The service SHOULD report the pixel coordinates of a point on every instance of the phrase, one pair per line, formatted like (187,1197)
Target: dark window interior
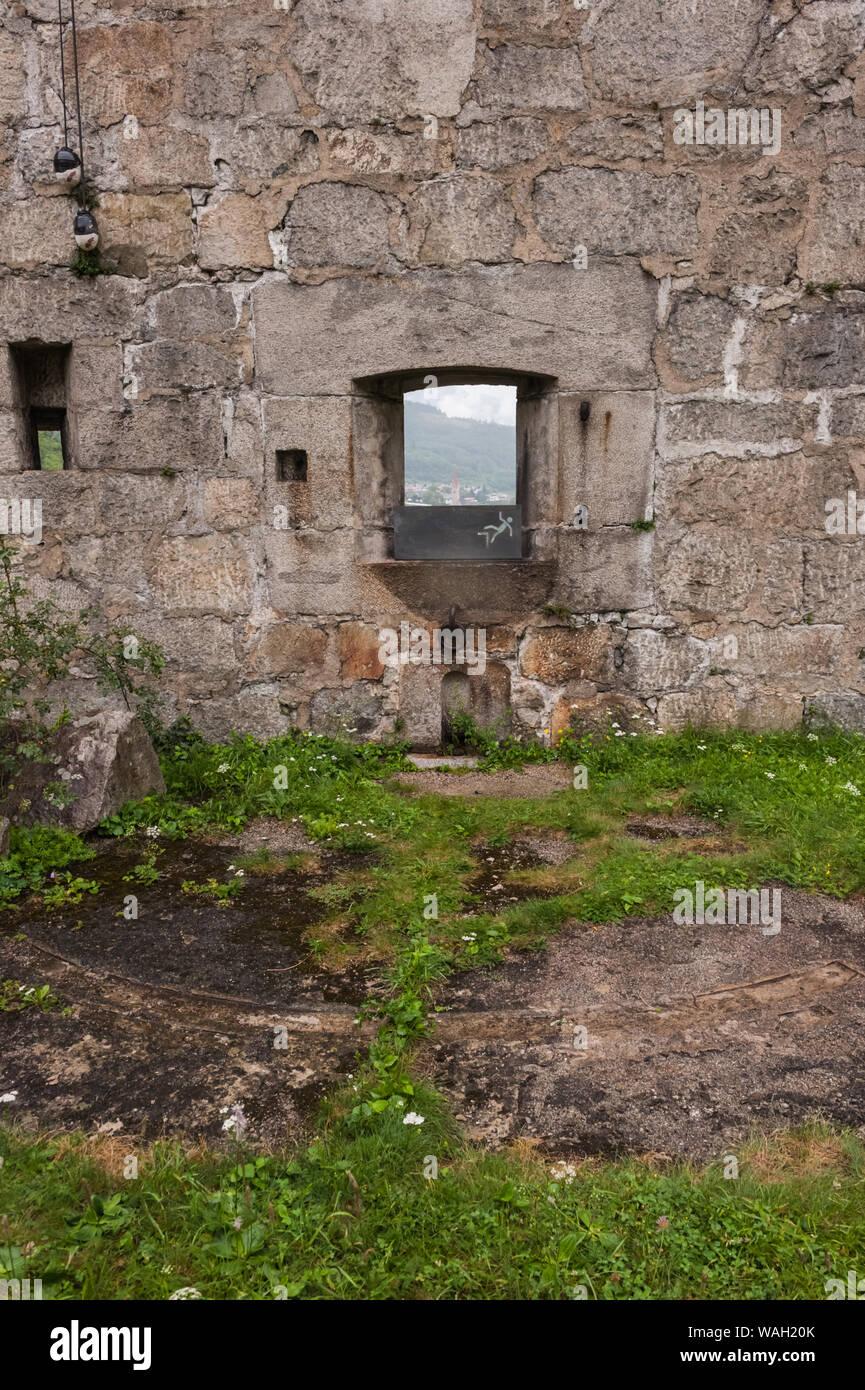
(291,465)
(41,371)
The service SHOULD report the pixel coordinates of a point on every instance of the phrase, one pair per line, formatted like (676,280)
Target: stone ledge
(498,588)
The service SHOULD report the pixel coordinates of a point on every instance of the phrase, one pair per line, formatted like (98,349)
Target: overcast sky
(495,403)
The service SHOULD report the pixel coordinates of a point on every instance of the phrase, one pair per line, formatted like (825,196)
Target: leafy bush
(36,854)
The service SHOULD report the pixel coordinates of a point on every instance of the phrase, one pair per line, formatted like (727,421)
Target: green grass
(354,1217)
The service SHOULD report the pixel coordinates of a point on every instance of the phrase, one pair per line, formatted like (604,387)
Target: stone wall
(303,202)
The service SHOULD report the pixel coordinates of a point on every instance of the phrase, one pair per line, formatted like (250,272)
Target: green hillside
(50,449)
(483,454)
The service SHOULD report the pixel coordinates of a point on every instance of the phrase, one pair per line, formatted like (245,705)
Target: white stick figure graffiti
(491,532)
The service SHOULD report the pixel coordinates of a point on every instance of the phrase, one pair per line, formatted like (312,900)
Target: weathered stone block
(202,574)
(171,365)
(34,162)
(832,130)
(759,248)
(272,95)
(231,504)
(68,500)
(191,311)
(323,503)
(515,140)
(519,14)
(707,569)
(670,53)
(707,427)
(140,230)
(202,644)
(10,386)
(835,249)
(158,434)
(161,157)
(37,232)
(617,137)
(823,346)
(835,579)
(372,57)
(14,444)
(613,212)
(610,571)
(320,425)
(373,151)
(110,571)
(842,708)
(420,706)
(126,503)
(607,459)
(63,308)
(12,74)
(243,435)
(556,655)
(781,655)
(811,49)
(94,376)
(358,646)
(310,574)
(701,709)
(757,495)
(233,231)
(591,329)
(337,224)
(769,709)
(286,649)
(655,661)
(214,84)
(696,335)
(460,218)
(255,710)
(126,69)
(354,712)
(594,714)
(848,416)
(250,157)
(518,77)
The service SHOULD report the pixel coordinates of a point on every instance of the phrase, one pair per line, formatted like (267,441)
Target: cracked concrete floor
(175,1016)
(695,1036)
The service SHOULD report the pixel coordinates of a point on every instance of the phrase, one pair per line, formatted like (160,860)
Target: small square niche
(291,465)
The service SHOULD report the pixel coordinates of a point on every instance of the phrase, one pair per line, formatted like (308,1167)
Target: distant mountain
(483,454)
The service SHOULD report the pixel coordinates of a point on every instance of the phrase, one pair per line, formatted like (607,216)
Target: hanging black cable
(77,94)
(62,74)
(67,165)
